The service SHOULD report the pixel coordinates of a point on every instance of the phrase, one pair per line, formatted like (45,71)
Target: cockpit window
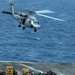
(36,22)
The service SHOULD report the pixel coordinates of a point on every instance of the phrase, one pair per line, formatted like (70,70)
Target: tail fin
(12,8)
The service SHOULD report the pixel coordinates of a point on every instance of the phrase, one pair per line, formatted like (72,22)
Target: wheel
(19,25)
(35,30)
(23,28)
(31,26)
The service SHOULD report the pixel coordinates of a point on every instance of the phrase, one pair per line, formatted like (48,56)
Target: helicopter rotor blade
(37,12)
(50,17)
(43,11)
(26,11)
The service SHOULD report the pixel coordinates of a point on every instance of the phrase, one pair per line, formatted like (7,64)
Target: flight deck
(57,68)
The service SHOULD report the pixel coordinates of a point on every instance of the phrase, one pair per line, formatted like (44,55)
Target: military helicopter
(27,18)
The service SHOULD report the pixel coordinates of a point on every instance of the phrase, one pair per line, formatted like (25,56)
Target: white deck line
(36,69)
(32,68)
(16,61)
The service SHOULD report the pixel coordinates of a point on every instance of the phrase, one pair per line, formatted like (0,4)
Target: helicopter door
(32,22)
(23,20)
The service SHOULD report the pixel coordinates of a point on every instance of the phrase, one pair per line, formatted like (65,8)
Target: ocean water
(54,42)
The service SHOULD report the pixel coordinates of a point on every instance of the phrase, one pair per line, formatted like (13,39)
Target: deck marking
(16,61)
(32,68)
(36,70)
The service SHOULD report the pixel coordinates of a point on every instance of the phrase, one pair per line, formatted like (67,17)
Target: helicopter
(27,18)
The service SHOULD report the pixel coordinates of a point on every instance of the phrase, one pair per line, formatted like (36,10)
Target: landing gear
(19,25)
(35,30)
(23,28)
(31,26)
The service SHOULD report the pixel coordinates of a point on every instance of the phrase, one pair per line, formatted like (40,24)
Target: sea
(54,42)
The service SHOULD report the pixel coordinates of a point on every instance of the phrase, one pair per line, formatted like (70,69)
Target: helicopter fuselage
(28,21)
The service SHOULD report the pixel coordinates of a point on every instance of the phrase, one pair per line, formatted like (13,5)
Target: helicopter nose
(38,28)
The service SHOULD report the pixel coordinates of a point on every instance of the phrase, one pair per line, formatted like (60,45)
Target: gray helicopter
(27,19)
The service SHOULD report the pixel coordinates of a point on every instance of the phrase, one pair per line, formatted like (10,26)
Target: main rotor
(40,13)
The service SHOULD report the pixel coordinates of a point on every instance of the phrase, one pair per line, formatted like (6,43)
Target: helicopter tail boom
(5,12)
